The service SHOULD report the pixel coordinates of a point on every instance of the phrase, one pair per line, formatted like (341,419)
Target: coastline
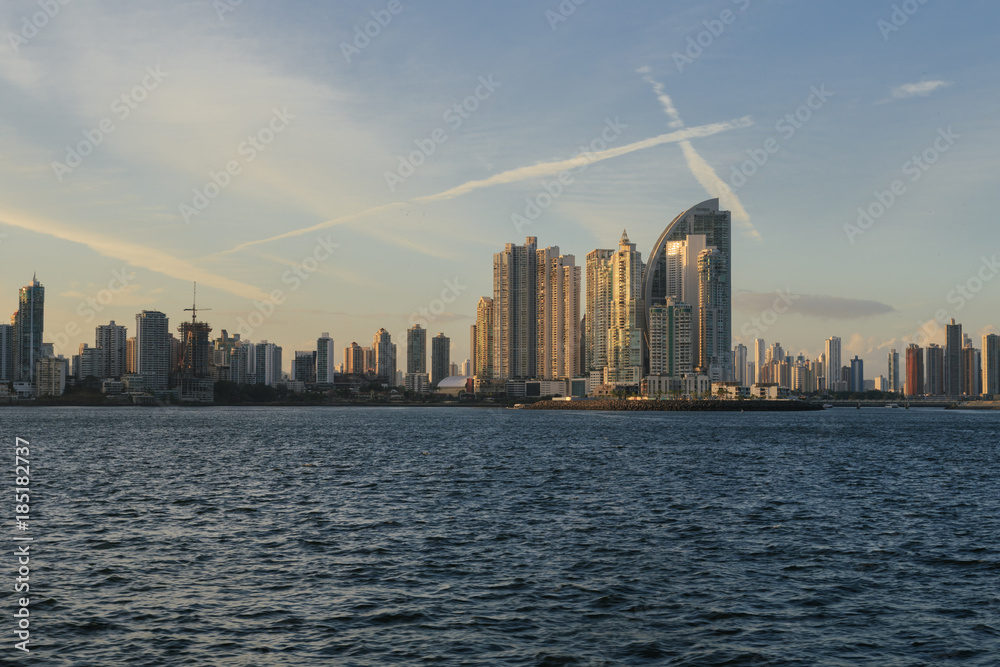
(714,405)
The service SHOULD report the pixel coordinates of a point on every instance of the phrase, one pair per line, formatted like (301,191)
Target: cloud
(132,254)
(516,175)
(702,171)
(921,89)
(819,306)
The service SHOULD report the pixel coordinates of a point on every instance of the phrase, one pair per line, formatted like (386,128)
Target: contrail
(132,254)
(701,170)
(681,136)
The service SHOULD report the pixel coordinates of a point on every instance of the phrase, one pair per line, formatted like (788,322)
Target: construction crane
(194,305)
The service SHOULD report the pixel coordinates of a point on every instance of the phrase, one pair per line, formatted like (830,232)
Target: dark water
(493,537)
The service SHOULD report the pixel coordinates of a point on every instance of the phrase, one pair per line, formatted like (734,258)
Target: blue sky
(201,77)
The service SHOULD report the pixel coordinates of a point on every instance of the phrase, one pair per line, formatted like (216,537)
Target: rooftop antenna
(194,305)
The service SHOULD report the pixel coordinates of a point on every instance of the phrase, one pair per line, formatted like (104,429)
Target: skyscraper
(714,327)
(832,371)
(740,365)
(440,358)
(354,360)
(484,338)
(473,341)
(416,349)
(991,365)
(857,375)
(627,317)
(515,292)
(598,310)
(759,352)
(953,371)
(113,340)
(152,349)
(670,351)
(674,271)
(304,366)
(6,352)
(972,366)
(385,357)
(558,315)
(29,321)
(325,359)
(893,372)
(935,385)
(267,363)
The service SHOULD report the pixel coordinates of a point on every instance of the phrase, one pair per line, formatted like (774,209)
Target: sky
(345,166)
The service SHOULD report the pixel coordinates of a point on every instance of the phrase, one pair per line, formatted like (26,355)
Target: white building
(558,315)
(325,367)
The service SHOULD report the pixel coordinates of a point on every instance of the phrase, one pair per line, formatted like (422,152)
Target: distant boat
(827,406)
(891,405)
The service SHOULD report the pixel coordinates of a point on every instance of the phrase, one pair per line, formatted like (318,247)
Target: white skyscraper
(325,367)
(892,381)
(740,365)
(152,349)
(598,308)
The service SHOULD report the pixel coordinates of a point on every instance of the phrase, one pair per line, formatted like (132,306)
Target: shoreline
(714,405)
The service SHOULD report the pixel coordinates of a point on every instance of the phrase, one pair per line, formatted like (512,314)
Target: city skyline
(111,237)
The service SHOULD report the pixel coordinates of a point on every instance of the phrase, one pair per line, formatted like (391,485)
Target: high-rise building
(935,383)
(416,349)
(304,366)
(50,376)
(354,360)
(515,293)
(325,361)
(267,364)
(152,349)
(914,370)
(29,323)
(558,315)
(597,320)
(832,374)
(972,366)
(440,358)
(112,339)
(857,375)
(89,362)
(627,317)
(484,338)
(759,352)
(674,270)
(953,371)
(670,350)
(6,352)
(131,357)
(385,357)
(893,379)
(991,365)
(740,365)
(196,349)
(467,368)
(471,371)
(714,325)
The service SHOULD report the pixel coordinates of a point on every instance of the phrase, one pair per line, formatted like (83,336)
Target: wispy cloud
(701,170)
(520,174)
(920,89)
(131,253)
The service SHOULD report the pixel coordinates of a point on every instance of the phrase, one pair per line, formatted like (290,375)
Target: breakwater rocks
(678,406)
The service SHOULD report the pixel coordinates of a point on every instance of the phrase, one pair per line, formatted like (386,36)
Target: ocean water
(343,536)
